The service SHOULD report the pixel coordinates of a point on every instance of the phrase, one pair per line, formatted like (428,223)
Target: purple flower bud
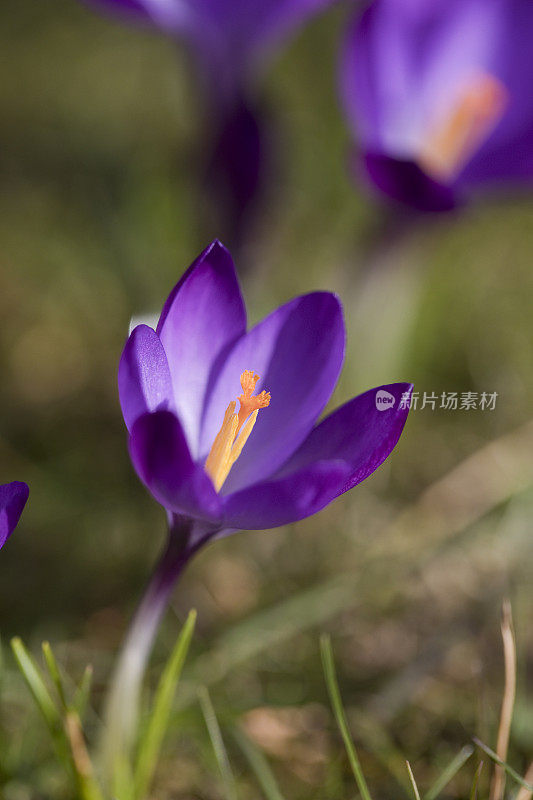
(13,497)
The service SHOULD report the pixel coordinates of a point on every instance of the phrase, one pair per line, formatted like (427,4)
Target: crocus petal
(171,16)
(339,453)
(144,382)
(238,169)
(405,182)
(228,33)
(162,460)
(512,160)
(298,351)
(256,26)
(202,317)
(13,497)
(279,502)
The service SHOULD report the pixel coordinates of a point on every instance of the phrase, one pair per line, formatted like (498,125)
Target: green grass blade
(279,623)
(35,682)
(473,791)
(230,789)
(54,672)
(376,740)
(450,772)
(150,743)
(335,697)
(259,766)
(123,780)
(33,677)
(83,692)
(509,770)
(413,782)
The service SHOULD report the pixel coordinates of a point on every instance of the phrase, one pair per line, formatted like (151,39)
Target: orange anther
(248,401)
(478,107)
(228,444)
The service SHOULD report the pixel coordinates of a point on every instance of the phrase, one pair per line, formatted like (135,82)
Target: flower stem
(122,705)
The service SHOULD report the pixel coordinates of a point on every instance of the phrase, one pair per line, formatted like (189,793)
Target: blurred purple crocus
(229,41)
(13,497)
(223,426)
(439,96)
(229,38)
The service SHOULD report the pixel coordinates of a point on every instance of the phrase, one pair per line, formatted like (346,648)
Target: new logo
(384,400)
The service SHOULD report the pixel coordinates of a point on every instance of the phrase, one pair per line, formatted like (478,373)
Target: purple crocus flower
(438,94)
(229,41)
(13,497)
(221,448)
(229,37)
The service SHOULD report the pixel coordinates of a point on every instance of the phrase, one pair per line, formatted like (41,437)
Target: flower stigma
(235,430)
(455,138)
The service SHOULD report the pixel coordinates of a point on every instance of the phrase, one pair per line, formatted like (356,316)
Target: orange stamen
(476,112)
(229,443)
(248,401)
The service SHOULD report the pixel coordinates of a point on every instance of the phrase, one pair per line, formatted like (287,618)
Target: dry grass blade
(497,786)
(87,785)
(413,782)
(526,794)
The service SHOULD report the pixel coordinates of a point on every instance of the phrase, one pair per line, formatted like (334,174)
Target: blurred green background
(101,210)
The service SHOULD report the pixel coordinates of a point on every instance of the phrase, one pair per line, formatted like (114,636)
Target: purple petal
(238,168)
(512,160)
(144,382)
(162,460)
(338,454)
(298,351)
(171,16)
(405,182)
(13,497)
(507,155)
(279,502)
(229,36)
(202,317)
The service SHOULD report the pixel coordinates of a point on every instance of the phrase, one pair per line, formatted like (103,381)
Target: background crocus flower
(228,37)
(223,449)
(229,40)
(13,497)
(438,94)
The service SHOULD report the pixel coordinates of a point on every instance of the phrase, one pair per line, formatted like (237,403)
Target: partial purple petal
(256,26)
(162,460)
(405,182)
(298,351)
(201,319)
(144,382)
(238,169)
(13,497)
(279,502)
(171,16)
(229,36)
(362,432)
(339,453)
(510,161)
